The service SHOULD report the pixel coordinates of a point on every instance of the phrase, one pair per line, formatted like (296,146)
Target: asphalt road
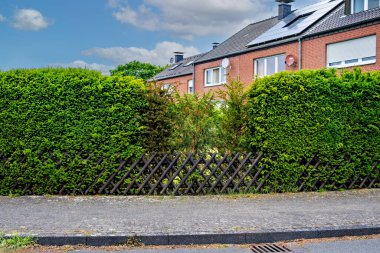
(340,246)
(357,246)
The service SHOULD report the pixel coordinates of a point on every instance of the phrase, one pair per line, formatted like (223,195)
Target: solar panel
(296,22)
(174,67)
(189,63)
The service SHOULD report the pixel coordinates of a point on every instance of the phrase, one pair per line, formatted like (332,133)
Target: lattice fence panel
(193,174)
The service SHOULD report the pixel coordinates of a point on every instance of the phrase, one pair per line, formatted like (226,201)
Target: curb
(242,238)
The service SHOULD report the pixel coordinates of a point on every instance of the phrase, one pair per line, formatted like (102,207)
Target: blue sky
(101,34)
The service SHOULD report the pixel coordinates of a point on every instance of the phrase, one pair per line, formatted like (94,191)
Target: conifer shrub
(76,118)
(334,117)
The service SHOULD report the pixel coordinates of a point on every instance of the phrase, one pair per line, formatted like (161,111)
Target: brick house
(332,34)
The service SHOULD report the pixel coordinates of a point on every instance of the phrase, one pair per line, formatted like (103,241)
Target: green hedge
(66,111)
(334,116)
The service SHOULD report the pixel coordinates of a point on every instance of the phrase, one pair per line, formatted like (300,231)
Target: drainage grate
(269,248)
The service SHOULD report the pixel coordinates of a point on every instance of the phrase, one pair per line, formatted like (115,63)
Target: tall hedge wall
(66,111)
(333,116)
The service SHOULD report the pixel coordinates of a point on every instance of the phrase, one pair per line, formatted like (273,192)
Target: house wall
(181,83)
(242,66)
(314,54)
(314,51)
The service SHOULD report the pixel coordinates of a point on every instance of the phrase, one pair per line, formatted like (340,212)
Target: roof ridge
(196,55)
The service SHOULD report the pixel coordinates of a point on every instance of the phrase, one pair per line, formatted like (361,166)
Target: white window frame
(359,62)
(222,79)
(190,86)
(343,64)
(168,87)
(365,6)
(266,65)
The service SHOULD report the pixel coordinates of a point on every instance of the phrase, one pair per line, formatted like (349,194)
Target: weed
(15,241)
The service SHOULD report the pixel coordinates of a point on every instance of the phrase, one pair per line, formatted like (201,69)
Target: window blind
(351,49)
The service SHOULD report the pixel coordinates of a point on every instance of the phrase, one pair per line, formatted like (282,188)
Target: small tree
(138,69)
(234,123)
(196,123)
(157,119)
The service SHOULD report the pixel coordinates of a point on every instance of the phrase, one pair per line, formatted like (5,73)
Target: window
(350,53)
(269,65)
(215,76)
(363,5)
(168,87)
(190,86)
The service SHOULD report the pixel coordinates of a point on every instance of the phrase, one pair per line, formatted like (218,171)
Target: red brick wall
(179,82)
(313,54)
(242,65)
(315,50)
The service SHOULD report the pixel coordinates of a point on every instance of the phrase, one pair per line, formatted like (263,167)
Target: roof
(332,20)
(337,20)
(181,68)
(238,42)
(297,22)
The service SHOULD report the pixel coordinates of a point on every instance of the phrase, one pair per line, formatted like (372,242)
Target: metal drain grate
(269,248)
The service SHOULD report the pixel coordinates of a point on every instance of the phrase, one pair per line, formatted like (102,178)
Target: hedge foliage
(334,116)
(66,111)
(65,130)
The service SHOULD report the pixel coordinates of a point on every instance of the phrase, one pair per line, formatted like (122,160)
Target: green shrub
(300,114)
(234,119)
(66,111)
(157,119)
(196,123)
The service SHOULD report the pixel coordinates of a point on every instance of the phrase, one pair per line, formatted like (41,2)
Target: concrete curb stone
(238,238)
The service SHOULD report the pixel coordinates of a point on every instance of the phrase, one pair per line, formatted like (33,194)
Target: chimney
(178,56)
(215,45)
(347,7)
(284,8)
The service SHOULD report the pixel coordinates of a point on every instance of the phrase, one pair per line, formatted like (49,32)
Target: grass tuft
(16,241)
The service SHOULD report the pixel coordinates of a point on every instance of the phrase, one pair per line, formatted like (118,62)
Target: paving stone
(168,217)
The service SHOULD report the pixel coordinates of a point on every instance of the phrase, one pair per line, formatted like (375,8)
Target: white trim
(265,66)
(211,70)
(366,6)
(265,59)
(190,84)
(360,62)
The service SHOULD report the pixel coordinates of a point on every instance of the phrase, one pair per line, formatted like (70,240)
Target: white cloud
(2,18)
(192,18)
(84,65)
(160,55)
(30,19)
(187,19)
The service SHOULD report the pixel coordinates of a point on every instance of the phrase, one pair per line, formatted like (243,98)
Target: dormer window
(363,5)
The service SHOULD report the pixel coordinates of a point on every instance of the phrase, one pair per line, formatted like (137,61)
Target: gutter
(193,79)
(169,77)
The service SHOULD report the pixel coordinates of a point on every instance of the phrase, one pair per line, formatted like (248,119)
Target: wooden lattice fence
(190,174)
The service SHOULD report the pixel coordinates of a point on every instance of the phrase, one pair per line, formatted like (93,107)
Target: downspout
(193,79)
(300,53)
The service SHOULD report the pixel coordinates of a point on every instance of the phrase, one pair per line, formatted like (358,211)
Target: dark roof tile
(338,20)
(238,42)
(185,67)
